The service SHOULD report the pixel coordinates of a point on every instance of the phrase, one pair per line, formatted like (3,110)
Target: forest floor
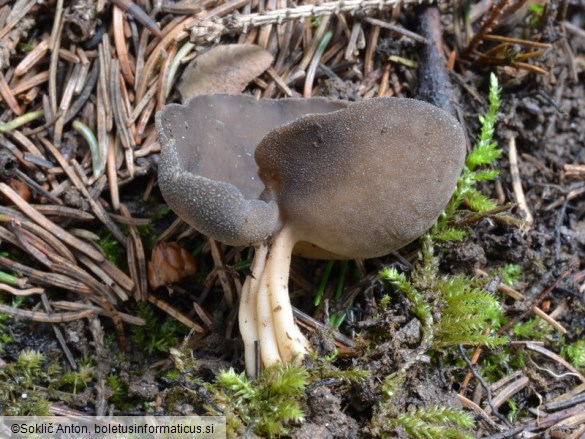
(82,218)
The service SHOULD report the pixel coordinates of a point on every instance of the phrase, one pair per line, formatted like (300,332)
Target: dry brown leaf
(169,263)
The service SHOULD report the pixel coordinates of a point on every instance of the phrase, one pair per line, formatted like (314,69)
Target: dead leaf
(169,263)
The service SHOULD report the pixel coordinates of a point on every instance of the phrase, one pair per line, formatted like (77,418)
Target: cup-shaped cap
(207,172)
(366,180)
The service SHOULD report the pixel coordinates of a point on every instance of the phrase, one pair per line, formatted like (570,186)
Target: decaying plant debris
(80,82)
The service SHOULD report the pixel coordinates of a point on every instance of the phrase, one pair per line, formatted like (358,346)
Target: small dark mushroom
(355,182)
(226,68)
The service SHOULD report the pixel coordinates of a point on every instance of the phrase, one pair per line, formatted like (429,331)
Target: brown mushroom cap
(363,181)
(207,172)
(224,69)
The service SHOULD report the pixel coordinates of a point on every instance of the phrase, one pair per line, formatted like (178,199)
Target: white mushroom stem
(265,310)
(248,309)
(292,345)
(269,352)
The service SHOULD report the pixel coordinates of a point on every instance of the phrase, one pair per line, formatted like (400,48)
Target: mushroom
(226,68)
(345,181)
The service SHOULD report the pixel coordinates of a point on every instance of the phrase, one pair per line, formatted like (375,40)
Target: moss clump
(466,311)
(15,302)
(22,386)
(156,336)
(28,384)
(478,167)
(77,380)
(465,308)
(434,423)
(532,329)
(575,353)
(269,405)
(511,274)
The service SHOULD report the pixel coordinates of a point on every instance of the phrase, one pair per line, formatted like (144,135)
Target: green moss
(22,386)
(156,336)
(496,365)
(435,423)
(533,329)
(465,308)
(5,337)
(536,13)
(113,250)
(28,384)
(119,389)
(575,353)
(452,310)
(478,167)
(513,410)
(511,274)
(466,311)
(270,404)
(77,380)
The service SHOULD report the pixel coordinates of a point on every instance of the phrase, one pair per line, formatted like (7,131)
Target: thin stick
(18,292)
(518,41)
(43,317)
(484,416)
(59,334)
(143,103)
(202,31)
(55,45)
(485,27)
(219,268)
(81,100)
(29,83)
(136,258)
(140,16)
(143,122)
(17,14)
(49,279)
(102,130)
(49,225)
(163,77)
(101,274)
(372,43)
(312,70)
(112,172)
(133,320)
(33,57)
(8,97)
(147,71)
(176,314)
(507,392)
(97,208)
(120,43)
(558,359)
(548,319)
(502,287)
(43,234)
(517,183)
(398,29)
